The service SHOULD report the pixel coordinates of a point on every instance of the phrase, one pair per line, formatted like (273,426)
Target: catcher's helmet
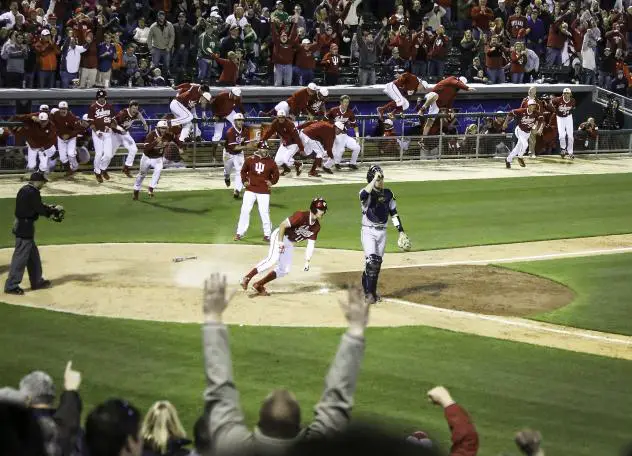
(372,171)
(101,93)
(318,203)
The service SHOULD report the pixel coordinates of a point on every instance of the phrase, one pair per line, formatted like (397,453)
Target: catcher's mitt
(58,213)
(403,242)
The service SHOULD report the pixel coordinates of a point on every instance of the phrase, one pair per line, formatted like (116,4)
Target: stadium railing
(405,145)
(603,97)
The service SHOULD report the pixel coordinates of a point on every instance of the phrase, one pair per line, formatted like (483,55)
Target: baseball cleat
(151,192)
(299,167)
(70,173)
(353,166)
(338,167)
(571,156)
(286,170)
(105,175)
(369,299)
(563,153)
(328,170)
(266,238)
(99,178)
(260,289)
(245,280)
(313,174)
(15,291)
(227,181)
(42,285)
(521,162)
(135,197)
(237,237)
(126,171)
(236,195)
(507,164)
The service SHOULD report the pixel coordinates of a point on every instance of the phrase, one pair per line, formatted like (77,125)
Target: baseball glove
(58,213)
(403,242)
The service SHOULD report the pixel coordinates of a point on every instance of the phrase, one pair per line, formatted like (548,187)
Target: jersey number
(259,167)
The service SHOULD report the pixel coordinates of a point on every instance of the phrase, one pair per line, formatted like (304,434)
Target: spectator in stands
(70,61)
(89,63)
(107,54)
(230,68)
(415,16)
(208,44)
(141,34)
(130,64)
(232,42)
(435,17)
(536,32)
(469,49)
(556,40)
(606,68)
(532,67)
(592,36)
(157,79)
(368,47)
(475,72)
(619,85)
(21,431)
(481,15)
(10,18)
(438,53)
(516,25)
(113,428)
(15,52)
(160,42)
(420,45)
(396,65)
(331,61)
(47,53)
(237,19)
(182,44)
(502,11)
(282,55)
(279,424)
(518,63)
(305,62)
(162,432)
(495,61)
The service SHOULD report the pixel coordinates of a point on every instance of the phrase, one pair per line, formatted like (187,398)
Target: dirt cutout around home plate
(482,289)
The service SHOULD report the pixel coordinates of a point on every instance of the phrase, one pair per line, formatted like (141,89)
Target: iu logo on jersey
(335,60)
(259,167)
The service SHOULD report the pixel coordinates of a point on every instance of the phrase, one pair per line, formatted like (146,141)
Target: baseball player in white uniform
(101,118)
(377,204)
(564,107)
(122,137)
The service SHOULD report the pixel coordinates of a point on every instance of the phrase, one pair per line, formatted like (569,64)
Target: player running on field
(67,125)
(404,86)
(290,142)
(377,204)
(343,113)
(529,119)
(442,95)
(564,107)
(237,141)
(183,106)
(318,138)
(301,226)
(101,118)
(121,137)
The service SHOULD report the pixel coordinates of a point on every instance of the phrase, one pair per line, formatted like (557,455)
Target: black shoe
(15,291)
(227,181)
(42,285)
(507,164)
(338,167)
(521,162)
(353,167)
(236,195)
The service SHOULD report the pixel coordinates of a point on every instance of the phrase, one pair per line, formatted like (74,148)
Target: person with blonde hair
(162,431)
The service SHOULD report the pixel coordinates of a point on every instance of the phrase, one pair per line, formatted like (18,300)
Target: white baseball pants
(284,106)
(236,162)
(184,117)
(103,151)
(311,145)
(67,149)
(342,142)
(263,203)
(145,164)
(219,126)
(394,94)
(433,108)
(373,241)
(283,261)
(44,158)
(564,129)
(285,154)
(128,143)
(521,146)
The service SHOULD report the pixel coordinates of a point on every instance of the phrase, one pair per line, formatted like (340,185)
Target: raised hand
(215,300)
(355,309)
(72,378)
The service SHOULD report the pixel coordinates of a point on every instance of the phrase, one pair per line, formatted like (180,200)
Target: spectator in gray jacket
(160,42)
(15,52)
(279,425)
(368,48)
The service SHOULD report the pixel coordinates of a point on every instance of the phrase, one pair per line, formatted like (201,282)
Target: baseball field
(516,296)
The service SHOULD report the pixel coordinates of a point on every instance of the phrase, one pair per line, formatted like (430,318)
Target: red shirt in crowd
(282,53)
(515,24)
(439,48)
(305,57)
(230,70)
(331,62)
(256,171)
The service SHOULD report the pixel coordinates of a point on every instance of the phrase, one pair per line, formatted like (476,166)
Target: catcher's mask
(373,170)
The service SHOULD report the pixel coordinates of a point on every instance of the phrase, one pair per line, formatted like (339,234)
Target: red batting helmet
(318,203)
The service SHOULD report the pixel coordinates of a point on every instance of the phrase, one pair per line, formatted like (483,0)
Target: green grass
(603,289)
(436,214)
(570,397)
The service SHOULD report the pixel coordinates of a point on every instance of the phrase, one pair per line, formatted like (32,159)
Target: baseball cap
(566,90)
(44,107)
(388,123)
(62,105)
(463,79)
(312,86)
(207,95)
(162,124)
(531,102)
(45,32)
(38,386)
(236,91)
(238,116)
(305,41)
(281,113)
(324,91)
(43,116)
(339,125)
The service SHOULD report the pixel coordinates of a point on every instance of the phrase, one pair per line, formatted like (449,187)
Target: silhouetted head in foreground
(280,415)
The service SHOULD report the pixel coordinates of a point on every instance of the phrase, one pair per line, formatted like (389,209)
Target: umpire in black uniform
(28,208)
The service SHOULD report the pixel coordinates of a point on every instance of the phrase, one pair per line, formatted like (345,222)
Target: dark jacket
(175,447)
(62,426)
(28,208)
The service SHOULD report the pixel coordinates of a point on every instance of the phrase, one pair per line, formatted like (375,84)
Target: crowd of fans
(32,425)
(83,43)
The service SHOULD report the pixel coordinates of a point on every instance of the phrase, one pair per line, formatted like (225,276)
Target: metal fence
(406,145)
(603,96)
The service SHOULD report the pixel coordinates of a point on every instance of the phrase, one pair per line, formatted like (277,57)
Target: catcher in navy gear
(377,204)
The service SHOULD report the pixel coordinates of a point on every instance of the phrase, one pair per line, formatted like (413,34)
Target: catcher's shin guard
(371,274)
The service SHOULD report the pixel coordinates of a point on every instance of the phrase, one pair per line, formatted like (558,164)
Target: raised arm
(227,428)
(333,411)
(463,432)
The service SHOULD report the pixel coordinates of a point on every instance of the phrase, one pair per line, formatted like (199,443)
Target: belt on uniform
(378,227)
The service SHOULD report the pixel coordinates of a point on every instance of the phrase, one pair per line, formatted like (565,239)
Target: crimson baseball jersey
(286,131)
(407,84)
(302,227)
(100,116)
(332,63)
(223,104)
(301,100)
(124,119)
(257,170)
(337,115)
(526,121)
(189,94)
(234,138)
(447,89)
(155,143)
(563,108)
(65,125)
(38,135)
(321,131)
(525,103)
